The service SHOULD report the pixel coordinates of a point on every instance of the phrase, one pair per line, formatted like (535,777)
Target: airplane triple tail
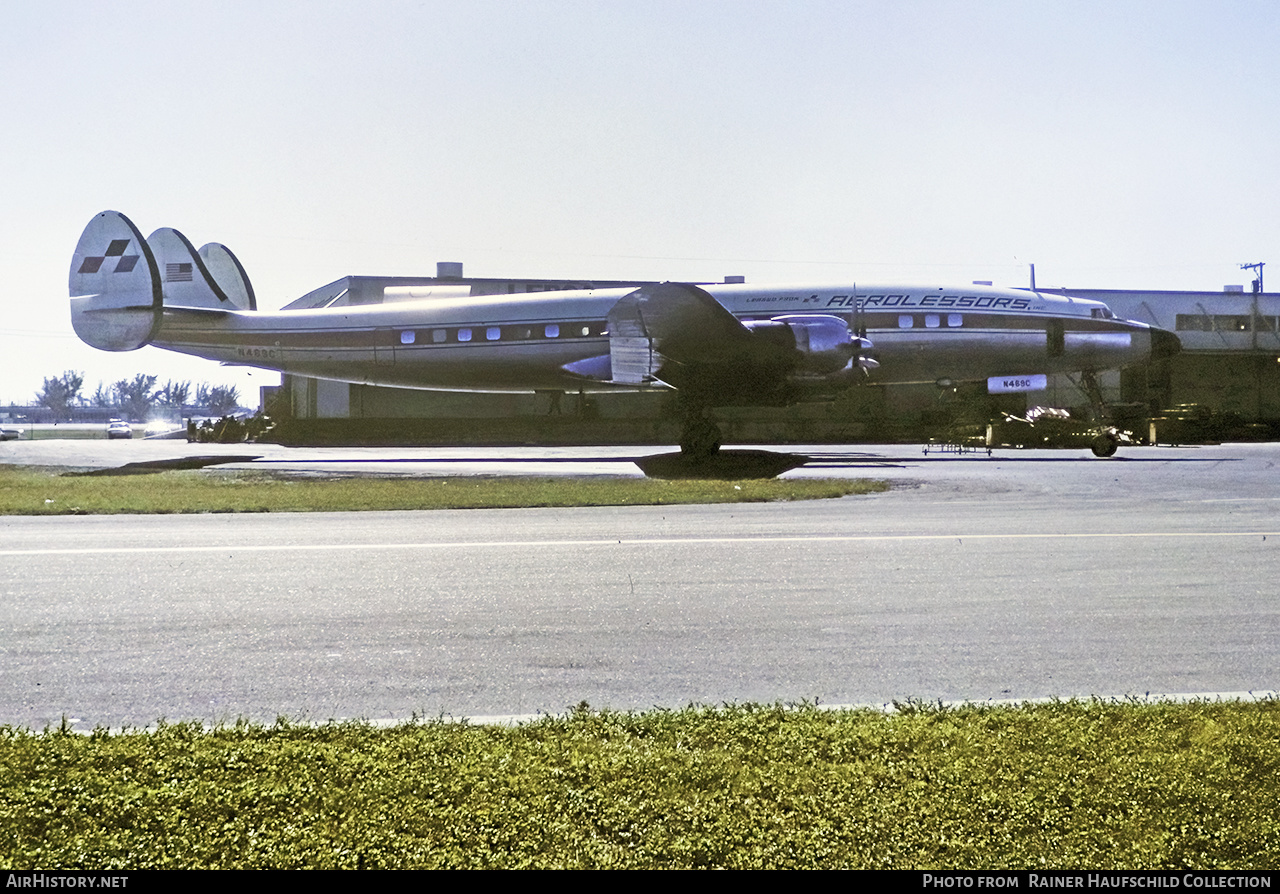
(120,283)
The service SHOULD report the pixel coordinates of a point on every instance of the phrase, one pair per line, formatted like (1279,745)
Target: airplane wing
(696,344)
(678,334)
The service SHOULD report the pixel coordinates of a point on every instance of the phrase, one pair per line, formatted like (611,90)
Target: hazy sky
(1113,144)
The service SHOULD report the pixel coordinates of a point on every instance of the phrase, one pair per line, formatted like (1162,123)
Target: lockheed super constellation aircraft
(717,345)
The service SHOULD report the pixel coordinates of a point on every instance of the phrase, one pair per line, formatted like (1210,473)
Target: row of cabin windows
(955,321)
(931,321)
(520,332)
(1225,323)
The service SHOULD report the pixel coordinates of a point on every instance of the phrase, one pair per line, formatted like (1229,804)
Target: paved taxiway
(1027,575)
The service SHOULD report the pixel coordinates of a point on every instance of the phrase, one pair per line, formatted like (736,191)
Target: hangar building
(1230,360)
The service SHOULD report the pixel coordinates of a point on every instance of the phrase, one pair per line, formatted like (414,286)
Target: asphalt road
(1030,575)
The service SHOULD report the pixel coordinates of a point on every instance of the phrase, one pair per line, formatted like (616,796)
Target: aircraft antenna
(1033,277)
(1257,279)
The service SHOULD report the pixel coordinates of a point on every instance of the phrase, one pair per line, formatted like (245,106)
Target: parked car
(10,434)
(118,429)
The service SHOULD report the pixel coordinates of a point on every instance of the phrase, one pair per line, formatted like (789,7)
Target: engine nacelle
(824,342)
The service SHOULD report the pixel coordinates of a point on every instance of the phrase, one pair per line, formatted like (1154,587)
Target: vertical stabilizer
(185,279)
(228,273)
(114,284)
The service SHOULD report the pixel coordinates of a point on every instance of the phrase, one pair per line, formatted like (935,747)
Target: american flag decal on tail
(177,272)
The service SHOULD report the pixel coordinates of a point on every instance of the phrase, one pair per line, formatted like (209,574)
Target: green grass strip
(28,491)
(1072,784)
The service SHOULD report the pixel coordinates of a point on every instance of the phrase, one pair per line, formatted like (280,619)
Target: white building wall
(333,399)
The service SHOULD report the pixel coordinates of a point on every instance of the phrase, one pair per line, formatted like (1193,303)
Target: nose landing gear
(1105,444)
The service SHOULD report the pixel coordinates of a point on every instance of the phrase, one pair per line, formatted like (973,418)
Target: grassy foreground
(32,491)
(1073,784)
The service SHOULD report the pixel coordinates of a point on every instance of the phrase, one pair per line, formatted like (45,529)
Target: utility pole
(1257,290)
(1257,277)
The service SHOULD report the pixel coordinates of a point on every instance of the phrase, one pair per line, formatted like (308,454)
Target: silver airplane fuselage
(526,341)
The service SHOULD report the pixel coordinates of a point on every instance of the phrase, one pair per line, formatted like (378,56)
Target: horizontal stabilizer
(114,283)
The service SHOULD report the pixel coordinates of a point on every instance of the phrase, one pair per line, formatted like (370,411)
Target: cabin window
(464,335)
(407,337)
(954,320)
(439,335)
(905,321)
(932,321)
(552,330)
(584,331)
(493,333)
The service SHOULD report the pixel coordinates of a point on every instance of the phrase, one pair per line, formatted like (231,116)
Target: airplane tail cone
(114,283)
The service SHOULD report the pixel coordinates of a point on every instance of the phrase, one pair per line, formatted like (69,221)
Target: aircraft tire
(1104,446)
(700,438)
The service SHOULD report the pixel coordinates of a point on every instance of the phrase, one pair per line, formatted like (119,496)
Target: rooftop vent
(448,270)
(1233,288)
(730,280)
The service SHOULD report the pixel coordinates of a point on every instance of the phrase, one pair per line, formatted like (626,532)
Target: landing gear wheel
(700,438)
(1105,445)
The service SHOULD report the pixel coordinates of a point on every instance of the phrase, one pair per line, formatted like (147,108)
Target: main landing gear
(699,434)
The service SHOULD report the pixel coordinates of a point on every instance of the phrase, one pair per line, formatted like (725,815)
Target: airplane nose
(1164,344)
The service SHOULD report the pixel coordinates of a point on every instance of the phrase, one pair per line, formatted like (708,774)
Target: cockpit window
(1102,313)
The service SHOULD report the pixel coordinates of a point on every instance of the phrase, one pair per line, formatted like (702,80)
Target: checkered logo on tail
(124,263)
